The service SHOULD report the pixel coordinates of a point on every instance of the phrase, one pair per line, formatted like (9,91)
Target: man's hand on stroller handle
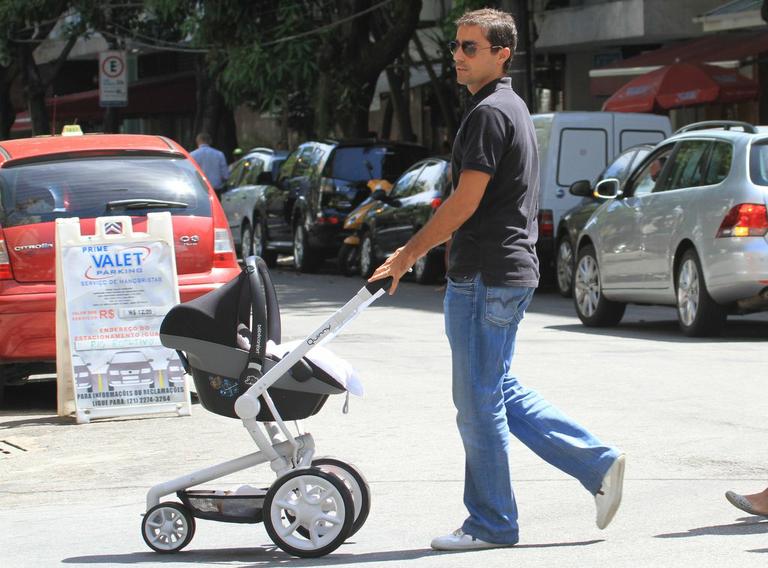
(393,268)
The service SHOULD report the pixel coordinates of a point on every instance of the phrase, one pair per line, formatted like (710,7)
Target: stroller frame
(288,458)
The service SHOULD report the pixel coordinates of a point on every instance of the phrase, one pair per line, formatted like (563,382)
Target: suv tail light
(5,262)
(745,220)
(546,223)
(223,249)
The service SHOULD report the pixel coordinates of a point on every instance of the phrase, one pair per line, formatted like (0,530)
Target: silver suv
(689,229)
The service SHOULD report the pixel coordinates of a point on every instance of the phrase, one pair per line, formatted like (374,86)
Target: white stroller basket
(315,504)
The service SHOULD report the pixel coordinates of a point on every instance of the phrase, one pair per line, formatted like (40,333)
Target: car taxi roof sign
(71,130)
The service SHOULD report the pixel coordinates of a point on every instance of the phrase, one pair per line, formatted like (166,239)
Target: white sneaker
(459,540)
(608,498)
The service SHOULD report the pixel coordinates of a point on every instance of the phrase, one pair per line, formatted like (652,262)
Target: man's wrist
(410,255)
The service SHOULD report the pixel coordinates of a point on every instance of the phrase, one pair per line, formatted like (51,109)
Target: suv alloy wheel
(593,308)
(367,257)
(246,242)
(260,244)
(698,314)
(564,267)
(304,258)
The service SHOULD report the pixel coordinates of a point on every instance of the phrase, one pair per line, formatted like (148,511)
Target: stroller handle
(376,285)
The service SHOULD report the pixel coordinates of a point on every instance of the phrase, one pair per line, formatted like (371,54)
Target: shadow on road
(746,526)
(271,556)
(736,330)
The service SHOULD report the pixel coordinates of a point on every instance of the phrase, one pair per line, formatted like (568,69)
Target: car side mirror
(380,195)
(609,188)
(265,178)
(581,188)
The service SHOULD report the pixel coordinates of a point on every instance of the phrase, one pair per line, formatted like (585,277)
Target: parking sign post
(113,79)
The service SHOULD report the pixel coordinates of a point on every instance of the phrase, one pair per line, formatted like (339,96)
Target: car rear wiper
(145,204)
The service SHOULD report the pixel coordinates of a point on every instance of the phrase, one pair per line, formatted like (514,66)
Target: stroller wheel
(355,482)
(168,527)
(315,501)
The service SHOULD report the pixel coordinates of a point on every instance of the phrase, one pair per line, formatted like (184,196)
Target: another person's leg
(755,504)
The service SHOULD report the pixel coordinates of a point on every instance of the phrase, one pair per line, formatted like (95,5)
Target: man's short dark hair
(204,138)
(498,28)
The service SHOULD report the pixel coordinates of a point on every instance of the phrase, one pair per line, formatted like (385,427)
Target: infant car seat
(205,333)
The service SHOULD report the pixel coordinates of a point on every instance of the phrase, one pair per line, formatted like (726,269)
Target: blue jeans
(481,323)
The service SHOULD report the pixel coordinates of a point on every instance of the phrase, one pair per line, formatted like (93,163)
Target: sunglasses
(469,48)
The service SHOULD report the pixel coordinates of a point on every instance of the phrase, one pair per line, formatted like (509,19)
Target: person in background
(211,161)
(755,504)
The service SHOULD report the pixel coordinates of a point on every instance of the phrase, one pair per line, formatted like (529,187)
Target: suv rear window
(361,163)
(758,163)
(95,186)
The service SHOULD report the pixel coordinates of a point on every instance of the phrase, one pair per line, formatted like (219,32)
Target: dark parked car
(319,184)
(408,206)
(575,218)
(244,203)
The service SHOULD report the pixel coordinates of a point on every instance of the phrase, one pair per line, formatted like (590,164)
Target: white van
(578,145)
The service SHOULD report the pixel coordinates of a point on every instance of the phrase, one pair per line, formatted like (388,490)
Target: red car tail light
(436,202)
(745,220)
(546,223)
(223,249)
(5,262)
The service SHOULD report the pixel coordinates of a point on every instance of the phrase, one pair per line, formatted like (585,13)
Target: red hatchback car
(88,176)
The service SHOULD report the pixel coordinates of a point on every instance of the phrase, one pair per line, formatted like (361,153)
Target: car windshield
(758,163)
(99,186)
(361,163)
(129,357)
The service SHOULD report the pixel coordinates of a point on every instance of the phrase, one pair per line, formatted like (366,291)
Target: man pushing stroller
(492,274)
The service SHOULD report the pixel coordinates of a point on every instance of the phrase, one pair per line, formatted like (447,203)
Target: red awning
(681,85)
(724,50)
(165,95)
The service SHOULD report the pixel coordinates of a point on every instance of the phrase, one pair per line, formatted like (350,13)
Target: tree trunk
(446,111)
(324,113)
(225,138)
(400,103)
(386,123)
(522,61)
(7,112)
(34,90)
(360,61)
(354,124)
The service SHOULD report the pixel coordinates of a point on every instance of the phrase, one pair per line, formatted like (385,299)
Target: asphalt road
(689,413)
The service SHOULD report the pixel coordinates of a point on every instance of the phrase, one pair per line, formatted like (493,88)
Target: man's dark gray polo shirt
(497,137)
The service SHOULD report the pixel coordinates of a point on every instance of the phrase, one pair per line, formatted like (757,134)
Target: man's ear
(508,52)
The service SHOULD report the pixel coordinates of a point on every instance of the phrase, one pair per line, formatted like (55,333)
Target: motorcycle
(348,259)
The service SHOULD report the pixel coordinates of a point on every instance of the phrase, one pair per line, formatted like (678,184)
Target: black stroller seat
(205,333)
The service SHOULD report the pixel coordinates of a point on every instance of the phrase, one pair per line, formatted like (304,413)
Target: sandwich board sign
(113,289)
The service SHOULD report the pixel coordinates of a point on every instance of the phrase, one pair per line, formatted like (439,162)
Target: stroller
(228,341)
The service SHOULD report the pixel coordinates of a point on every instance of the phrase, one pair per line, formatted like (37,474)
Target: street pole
(522,64)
